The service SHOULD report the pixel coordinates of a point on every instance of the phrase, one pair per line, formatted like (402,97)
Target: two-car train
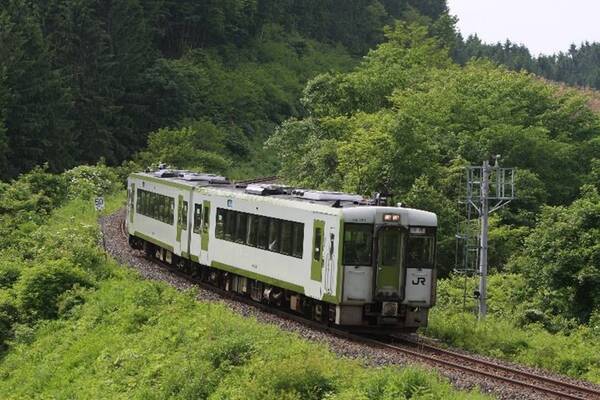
(333,257)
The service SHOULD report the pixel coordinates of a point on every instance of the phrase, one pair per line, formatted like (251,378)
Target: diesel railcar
(333,257)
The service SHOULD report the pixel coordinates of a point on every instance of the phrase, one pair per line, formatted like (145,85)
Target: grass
(139,339)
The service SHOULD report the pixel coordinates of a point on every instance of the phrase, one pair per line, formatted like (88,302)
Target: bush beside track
(77,325)
(505,335)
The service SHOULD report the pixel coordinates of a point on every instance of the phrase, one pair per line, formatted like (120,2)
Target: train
(336,258)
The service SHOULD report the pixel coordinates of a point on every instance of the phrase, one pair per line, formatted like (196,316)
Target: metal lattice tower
(487,189)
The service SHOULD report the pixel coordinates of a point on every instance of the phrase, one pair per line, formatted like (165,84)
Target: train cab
(388,258)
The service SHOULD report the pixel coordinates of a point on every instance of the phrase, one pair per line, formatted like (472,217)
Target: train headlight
(391,217)
(389,308)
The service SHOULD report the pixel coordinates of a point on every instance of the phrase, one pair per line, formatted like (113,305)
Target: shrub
(9,274)
(8,315)
(87,181)
(69,300)
(40,287)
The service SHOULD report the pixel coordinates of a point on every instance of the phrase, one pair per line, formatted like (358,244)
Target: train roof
(351,206)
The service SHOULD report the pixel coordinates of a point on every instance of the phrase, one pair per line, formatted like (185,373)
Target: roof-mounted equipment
(265,189)
(196,177)
(166,173)
(330,196)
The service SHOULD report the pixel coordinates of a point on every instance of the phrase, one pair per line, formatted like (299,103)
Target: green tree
(101,49)
(561,258)
(400,62)
(3,135)
(33,99)
(196,146)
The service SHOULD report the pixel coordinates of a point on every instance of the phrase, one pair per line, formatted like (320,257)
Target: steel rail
(379,343)
(587,390)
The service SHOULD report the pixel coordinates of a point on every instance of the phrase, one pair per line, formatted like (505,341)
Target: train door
(390,246)
(328,279)
(205,232)
(183,234)
(131,197)
(316,269)
(196,231)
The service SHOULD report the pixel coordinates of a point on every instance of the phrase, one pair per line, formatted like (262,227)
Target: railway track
(430,354)
(512,375)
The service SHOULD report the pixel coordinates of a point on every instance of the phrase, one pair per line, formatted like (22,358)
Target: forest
(85,80)
(365,96)
(576,66)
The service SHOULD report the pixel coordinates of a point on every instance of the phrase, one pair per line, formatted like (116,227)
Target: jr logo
(419,281)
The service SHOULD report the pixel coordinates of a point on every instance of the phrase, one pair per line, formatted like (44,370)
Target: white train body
(340,262)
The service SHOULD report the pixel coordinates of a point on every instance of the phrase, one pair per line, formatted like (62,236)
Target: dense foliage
(561,259)
(81,80)
(46,254)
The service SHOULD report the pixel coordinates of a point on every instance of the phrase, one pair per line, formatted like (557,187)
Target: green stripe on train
(153,240)
(258,277)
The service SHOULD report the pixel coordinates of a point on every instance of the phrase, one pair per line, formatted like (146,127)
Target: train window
(171,211)
(165,210)
(263,232)
(184,213)
(420,251)
(220,227)
(298,239)
(358,244)
(158,207)
(229,224)
(317,244)
(241,227)
(252,236)
(287,242)
(274,234)
(162,211)
(206,220)
(142,202)
(138,208)
(390,247)
(197,218)
(266,233)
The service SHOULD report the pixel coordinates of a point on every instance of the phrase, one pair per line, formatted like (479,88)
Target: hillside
(83,80)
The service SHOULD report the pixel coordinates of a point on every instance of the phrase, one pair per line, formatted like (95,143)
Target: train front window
(358,244)
(390,247)
(420,251)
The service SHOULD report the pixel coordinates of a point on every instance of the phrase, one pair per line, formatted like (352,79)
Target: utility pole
(478,198)
(483,251)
